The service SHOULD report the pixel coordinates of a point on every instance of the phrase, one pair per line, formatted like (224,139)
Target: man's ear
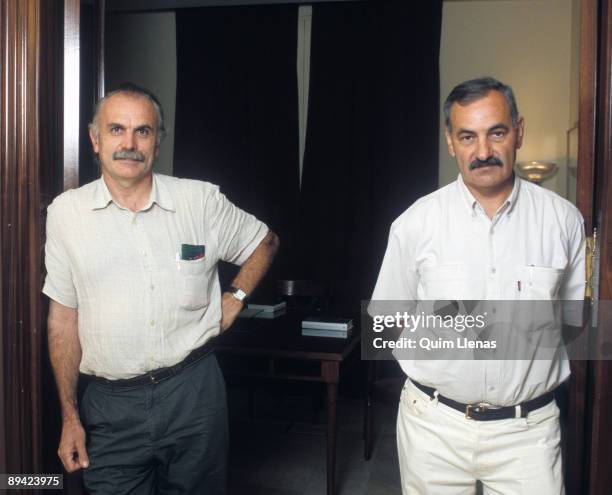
(520,132)
(449,142)
(93,137)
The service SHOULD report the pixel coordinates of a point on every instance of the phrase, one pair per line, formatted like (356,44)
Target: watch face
(238,293)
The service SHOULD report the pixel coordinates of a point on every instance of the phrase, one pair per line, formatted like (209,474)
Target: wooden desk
(280,339)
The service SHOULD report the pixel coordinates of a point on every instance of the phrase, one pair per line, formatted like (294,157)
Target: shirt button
(493,270)
(152,322)
(152,287)
(491,388)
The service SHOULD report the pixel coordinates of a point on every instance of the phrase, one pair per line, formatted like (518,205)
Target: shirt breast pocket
(193,284)
(448,282)
(540,282)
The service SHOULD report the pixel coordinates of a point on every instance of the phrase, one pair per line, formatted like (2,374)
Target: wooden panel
(24,28)
(576,430)
(72,12)
(51,183)
(587,113)
(601,388)
(100,8)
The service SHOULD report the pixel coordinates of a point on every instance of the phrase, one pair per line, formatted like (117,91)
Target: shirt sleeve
(58,283)
(572,290)
(398,278)
(396,287)
(238,232)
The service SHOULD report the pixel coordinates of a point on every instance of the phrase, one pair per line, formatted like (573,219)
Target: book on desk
(312,326)
(266,311)
(339,328)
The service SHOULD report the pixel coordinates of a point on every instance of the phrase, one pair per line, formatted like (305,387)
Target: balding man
(131,264)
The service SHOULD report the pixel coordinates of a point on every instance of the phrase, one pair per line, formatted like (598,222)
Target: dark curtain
(372,138)
(237,112)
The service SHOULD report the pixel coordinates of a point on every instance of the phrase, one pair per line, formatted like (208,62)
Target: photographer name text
(429,344)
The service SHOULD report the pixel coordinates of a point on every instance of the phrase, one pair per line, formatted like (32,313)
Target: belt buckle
(478,407)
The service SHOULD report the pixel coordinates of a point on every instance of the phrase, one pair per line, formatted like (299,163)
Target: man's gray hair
(131,89)
(474,89)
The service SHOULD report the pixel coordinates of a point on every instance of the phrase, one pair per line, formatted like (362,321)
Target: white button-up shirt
(445,247)
(140,305)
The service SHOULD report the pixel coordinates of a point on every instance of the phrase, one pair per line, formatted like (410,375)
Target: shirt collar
(511,201)
(101,195)
(467,196)
(159,195)
(471,202)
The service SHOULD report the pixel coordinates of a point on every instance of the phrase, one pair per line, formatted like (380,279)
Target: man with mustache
(487,236)
(131,264)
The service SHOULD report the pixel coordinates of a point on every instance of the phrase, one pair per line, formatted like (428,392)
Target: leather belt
(158,375)
(485,412)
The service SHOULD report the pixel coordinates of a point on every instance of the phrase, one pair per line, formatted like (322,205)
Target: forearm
(250,274)
(255,267)
(65,356)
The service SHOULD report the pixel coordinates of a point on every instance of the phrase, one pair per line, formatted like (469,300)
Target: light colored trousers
(443,453)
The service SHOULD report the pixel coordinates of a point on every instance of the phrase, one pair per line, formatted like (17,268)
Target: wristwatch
(237,293)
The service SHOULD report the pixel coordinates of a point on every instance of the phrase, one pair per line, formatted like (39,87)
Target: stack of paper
(339,328)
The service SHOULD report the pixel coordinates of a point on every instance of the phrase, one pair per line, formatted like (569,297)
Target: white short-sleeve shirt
(445,247)
(140,305)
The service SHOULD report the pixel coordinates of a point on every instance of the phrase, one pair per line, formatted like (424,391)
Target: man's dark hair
(474,89)
(133,90)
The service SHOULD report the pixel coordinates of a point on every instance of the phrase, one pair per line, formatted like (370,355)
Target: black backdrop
(372,136)
(236,120)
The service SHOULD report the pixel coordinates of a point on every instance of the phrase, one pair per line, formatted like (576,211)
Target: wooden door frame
(577,429)
(600,373)
(589,425)
(72,72)
(72,65)
(29,160)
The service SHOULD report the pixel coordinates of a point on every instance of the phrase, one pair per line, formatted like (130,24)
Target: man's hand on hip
(251,272)
(71,449)
(230,307)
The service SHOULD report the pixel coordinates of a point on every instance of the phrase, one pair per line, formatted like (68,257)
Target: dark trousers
(164,438)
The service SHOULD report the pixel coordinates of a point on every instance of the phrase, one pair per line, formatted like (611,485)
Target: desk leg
(330,372)
(367,410)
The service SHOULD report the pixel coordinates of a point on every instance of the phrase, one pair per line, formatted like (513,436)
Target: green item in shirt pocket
(192,251)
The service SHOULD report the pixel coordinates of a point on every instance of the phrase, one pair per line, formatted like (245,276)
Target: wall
(524,43)
(141,48)
(574,101)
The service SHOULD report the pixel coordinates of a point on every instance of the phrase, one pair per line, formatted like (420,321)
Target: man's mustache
(128,155)
(477,163)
